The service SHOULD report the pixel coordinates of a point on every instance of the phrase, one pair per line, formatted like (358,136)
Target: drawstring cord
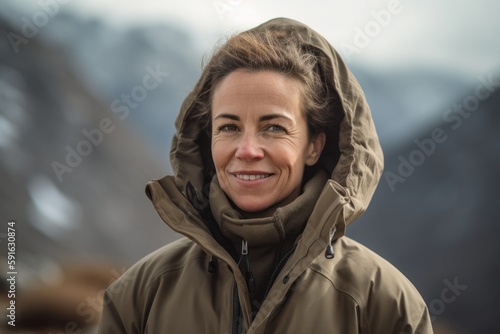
(248,276)
(329,254)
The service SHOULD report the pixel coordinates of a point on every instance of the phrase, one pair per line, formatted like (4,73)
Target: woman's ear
(316,146)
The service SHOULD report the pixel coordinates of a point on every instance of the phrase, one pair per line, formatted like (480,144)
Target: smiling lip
(251,176)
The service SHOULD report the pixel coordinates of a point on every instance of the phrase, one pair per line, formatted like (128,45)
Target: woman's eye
(275,128)
(227,128)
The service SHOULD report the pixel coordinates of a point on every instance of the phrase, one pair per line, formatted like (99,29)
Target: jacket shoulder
(127,300)
(383,294)
(360,271)
(170,257)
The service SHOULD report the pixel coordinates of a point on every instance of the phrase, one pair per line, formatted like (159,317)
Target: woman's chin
(258,205)
(253,207)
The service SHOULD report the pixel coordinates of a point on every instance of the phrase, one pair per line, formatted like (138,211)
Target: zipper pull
(250,280)
(329,254)
(244,248)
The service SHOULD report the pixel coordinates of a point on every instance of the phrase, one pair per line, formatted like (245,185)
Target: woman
(275,154)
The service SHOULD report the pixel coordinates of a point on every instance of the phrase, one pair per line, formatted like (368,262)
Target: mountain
(405,100)
(73,175)
(111,62)
(73,172)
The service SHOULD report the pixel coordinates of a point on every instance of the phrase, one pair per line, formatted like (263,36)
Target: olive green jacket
(195,286)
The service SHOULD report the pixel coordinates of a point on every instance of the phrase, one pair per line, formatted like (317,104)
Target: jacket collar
(287,222)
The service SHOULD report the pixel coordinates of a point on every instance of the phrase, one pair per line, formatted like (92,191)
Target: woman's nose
(249,148)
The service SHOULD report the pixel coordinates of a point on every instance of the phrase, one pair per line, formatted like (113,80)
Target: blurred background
(89,91)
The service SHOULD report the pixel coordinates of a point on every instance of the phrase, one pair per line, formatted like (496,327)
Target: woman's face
(260,142)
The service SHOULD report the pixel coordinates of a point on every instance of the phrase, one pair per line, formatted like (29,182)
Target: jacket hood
(354,154)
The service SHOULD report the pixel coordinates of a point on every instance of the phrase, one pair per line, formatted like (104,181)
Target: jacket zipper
(236,312)
(250,285)
(249,279)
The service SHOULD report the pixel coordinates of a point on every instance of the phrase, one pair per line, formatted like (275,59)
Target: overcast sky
(462,35)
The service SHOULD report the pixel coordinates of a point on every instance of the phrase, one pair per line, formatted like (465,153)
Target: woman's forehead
(259,92)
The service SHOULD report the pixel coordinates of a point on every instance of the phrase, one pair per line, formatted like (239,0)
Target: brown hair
(275,51)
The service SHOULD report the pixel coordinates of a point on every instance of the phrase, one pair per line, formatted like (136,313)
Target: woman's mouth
(251,177)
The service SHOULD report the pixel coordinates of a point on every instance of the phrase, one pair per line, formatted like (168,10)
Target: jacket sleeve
(111,321)
(413,319)
(396,307)
(123,304)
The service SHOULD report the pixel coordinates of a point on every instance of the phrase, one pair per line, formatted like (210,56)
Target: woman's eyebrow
(261,118)
(230,116)
(273,116)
